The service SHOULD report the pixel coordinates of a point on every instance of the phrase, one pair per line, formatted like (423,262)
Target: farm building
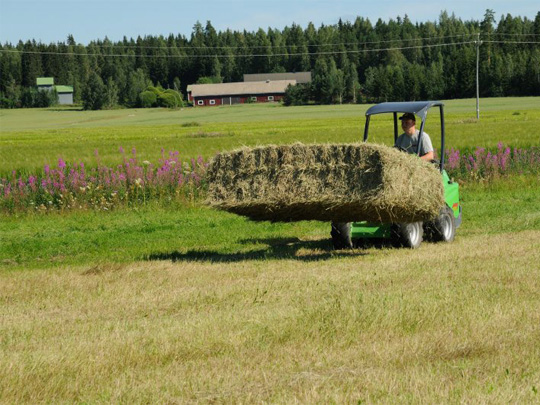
(45,83)
(300,77)
(65,93)
(238,92)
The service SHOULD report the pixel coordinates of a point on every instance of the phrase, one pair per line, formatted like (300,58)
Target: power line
(278,46)
(282,45)
(333,44)
(515,35)
(240,55)
(105,46)
(511,42)
(334,52)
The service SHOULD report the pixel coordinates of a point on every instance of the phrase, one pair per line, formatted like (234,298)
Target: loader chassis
(441,229)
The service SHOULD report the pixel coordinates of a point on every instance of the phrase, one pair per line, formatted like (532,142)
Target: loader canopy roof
(418,108)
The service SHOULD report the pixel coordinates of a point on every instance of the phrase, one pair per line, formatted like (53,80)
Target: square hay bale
(325,182)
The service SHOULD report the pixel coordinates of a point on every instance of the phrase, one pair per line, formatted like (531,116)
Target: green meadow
(29,139)
(175,302)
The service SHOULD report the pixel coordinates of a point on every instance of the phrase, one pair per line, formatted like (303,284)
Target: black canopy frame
(418,108)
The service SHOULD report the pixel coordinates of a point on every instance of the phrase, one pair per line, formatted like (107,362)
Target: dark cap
(408,116)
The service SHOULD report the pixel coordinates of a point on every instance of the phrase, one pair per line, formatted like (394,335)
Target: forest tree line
(351,62)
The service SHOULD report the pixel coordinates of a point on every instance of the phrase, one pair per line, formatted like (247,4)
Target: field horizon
(62,117)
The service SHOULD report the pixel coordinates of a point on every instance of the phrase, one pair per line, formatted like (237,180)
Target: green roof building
(45,82)
(65,93)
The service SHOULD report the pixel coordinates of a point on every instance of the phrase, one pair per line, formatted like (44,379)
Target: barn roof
(239,88)
(300,77)
(45,81)
(64,89)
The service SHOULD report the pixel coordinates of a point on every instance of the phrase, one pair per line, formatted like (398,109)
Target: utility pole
(477,75)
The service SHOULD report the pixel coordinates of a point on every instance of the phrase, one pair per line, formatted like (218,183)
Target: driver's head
(408,123)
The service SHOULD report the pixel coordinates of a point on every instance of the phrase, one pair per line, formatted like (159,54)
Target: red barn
(237,93)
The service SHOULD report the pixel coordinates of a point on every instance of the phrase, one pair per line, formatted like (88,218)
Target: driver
(408,141)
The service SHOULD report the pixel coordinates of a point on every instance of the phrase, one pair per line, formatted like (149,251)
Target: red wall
(243,99)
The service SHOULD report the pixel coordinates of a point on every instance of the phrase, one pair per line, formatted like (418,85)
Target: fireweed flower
(74,186)
(486,164)
(71,186)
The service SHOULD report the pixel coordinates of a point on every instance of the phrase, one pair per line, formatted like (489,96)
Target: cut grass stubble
(427,325)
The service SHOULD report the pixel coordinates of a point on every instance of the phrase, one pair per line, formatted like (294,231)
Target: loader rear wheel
(408,235)
(341,235)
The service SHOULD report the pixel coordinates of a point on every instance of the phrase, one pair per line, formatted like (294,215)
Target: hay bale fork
(441,229)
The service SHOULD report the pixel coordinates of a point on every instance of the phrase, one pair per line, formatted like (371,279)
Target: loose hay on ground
(326,182)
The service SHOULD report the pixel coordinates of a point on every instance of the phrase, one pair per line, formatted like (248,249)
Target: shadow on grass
(67,109)
(278,249)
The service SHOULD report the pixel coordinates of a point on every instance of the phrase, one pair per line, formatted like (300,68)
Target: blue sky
(52,20)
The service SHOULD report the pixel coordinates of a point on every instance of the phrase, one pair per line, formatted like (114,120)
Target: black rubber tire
(442,229)
(408,235)
(341,235)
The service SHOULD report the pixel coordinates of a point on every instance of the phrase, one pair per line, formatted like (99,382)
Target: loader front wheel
(443,228)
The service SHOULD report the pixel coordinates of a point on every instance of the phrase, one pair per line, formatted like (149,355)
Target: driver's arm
(428,156)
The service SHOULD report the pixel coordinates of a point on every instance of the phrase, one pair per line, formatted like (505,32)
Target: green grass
(69,117)
(127,235)
(197,232)
(29,139)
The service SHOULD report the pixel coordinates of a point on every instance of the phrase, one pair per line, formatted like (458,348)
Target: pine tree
(320,80)
(336,84)
(136,84)
(30,64)
(157,62)
(262,46)
(111,94)
(93,95)
(352,85)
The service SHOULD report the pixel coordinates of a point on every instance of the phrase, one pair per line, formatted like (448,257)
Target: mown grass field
(170,303)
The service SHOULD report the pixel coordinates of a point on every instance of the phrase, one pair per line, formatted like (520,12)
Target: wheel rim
(447,227)
(414,234)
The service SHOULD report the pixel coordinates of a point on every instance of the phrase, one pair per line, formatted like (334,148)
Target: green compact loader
(441,229)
